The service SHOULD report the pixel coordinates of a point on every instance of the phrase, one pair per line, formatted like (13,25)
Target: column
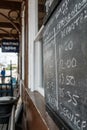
(33,29)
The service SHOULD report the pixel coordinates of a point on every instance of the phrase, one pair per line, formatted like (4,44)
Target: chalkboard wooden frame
(57,119)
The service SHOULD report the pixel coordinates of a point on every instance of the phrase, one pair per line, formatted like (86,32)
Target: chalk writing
(68,45)
(61,92)
(66,79)
(67,18)
(74,118)
(69,63)
(64,41)
(61,79)
(70,80)
(63,10)
(72,98)
(61,64)
(73,25)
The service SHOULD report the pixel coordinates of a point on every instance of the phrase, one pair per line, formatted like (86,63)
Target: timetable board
(65,64)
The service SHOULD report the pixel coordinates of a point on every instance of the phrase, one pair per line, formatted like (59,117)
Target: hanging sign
(10,45)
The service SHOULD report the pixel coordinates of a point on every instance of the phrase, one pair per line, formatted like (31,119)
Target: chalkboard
(65,63)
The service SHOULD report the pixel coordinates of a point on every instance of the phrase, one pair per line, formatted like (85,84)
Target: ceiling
(10,17)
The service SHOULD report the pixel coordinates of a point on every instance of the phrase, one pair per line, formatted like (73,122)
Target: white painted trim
(32,31)
(38,61)
(41,90)
(39,34)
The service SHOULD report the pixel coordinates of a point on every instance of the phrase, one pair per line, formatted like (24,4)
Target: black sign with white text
(9,45)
